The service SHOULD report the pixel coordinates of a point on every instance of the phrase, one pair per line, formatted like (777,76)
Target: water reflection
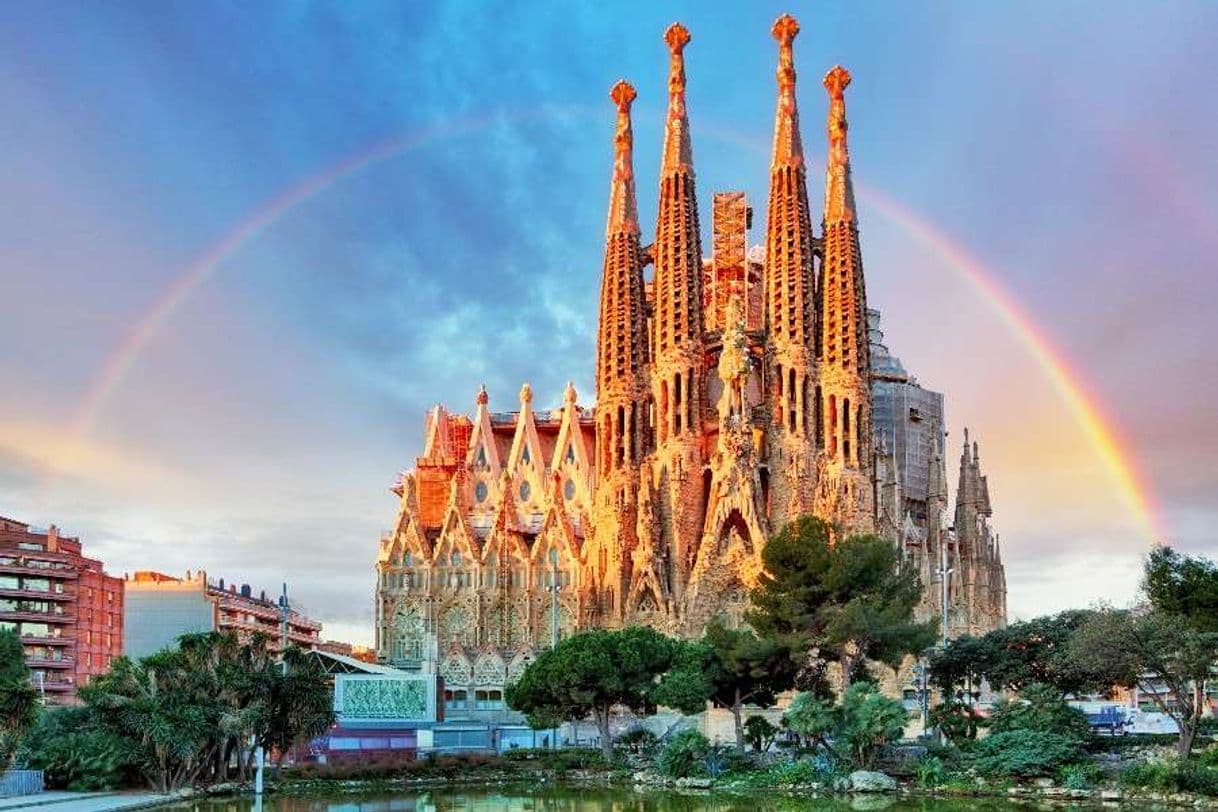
(582,799)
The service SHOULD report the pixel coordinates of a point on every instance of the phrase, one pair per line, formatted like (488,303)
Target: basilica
(736,389)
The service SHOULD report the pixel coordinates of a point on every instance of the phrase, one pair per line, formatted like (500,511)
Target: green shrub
(75,753)
(1042,709)
(956,720)
(684,755)
(930,772)
(1024,754)
(638,740)
(759,732)
(869,721)
(1085,775)
(1208,756)
(1172,776)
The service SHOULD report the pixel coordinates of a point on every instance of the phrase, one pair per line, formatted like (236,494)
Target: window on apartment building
(36,584)
(455,700)
(9,582)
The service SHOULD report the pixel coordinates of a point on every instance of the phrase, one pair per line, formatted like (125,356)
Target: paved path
(83,801)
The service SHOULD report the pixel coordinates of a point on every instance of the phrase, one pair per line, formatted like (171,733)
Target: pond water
(585,799)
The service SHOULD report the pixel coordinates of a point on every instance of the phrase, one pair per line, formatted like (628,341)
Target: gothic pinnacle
(623,206)
(839,189)
(788,147)
(678,154)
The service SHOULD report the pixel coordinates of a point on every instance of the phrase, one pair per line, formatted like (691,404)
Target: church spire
(677,348)
(678,154)
(839,188)
(788,146)
(789,305)
(623,206)
(843,348)
(621,337)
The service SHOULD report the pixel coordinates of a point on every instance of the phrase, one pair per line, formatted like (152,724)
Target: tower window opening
(831,419)
(846,429)
(676,407)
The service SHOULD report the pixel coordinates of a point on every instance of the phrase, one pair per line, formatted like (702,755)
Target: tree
(732,668)
(1183,586)
(18,699)
(188,710)
(1158,653)
(856,730)
(1036,651)
(759,732)
(849,600)
(301,704)
(869,721)
(813,718)
(1172,641)
(589,673)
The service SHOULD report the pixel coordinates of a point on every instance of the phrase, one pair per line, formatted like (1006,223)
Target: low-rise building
(160,608)
(66,609)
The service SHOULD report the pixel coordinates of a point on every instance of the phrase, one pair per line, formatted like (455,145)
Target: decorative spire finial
(526,393)
(678,154)
(788,146)
(839,189)
(570,394)
(836,82)
(483,397)
(623,206)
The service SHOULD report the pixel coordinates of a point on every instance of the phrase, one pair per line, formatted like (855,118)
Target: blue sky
(1072,148)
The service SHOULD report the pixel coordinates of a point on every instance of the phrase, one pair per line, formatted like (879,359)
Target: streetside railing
(20,782)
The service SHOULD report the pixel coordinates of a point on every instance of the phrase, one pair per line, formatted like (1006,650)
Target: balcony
(38,594)
(37,640)
(38,617)
(65,573)
(45,662)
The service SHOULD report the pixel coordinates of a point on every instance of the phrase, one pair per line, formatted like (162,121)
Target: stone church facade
(734,393)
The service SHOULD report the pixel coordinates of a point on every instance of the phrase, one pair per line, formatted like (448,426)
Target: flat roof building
(66,609)
(160,608)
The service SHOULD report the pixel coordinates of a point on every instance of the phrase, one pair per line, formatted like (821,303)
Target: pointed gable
(572,461)
(526,462)
(455,532)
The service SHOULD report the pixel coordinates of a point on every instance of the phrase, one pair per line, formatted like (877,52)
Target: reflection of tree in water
(592,799)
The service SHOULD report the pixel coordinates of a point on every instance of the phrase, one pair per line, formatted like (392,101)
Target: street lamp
(943,572)
(553,589)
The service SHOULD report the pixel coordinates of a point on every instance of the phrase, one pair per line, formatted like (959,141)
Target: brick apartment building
(160,608)
(66,609)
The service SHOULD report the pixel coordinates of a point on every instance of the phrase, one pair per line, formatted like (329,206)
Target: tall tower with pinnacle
(677,349)
(621,382)
(788,301)
(845,482)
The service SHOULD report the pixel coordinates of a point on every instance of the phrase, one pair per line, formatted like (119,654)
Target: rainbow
(1099,429)
(1097,426)
(118,364)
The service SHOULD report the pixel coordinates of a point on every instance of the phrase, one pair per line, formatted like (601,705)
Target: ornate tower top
(623,206)
(526,393)
(483,397)
(570,395)
(839,189)
(788,147)
(678,154)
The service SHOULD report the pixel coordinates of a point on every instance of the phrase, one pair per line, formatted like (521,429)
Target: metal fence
(20,782)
